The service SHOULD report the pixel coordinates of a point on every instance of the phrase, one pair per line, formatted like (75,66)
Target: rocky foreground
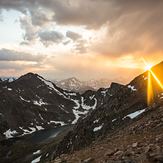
(139,142)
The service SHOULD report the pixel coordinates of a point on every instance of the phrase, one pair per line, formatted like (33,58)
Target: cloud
(79,42)
(11,55)
(30,30)
(133,30)
(73,35)
(40,17)
(50,37)
(16,63)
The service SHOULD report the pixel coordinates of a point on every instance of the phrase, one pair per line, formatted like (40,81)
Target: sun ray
(156,78)
(149,89)
(150,93)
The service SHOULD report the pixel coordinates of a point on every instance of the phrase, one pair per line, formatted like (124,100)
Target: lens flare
(148,67)
(156,78)
(149,89)
(150,93)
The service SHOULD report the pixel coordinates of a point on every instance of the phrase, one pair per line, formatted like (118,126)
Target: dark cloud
(73,35)
(79,42)
(39,17)
(136,27)
(8,4)
(50,37)
(11,55)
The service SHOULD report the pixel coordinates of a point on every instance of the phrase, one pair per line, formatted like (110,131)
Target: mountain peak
(29,75)
(73,79)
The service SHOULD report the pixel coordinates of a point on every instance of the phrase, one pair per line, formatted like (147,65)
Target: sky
(87,39)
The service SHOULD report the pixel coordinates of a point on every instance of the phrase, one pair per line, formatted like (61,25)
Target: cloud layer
(11,55)
(132,25)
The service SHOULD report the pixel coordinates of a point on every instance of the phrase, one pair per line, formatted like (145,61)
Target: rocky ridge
(118,111)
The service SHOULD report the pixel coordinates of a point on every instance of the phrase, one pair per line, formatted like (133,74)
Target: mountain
(96,84)
(73,84)
(31,103)
(121,110)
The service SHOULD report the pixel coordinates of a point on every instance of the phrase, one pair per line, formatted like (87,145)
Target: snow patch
(9,133)
(75,111)
(132,88)
(85,107)
(39,128)
(92,97)
(135,114)
(37,152)
(40,102)
(32,129)
(96,121)
(58,122)
(26,132)
(77,114)
(104,92)
(114,120)
(98,128)
(36,160)
(23,99)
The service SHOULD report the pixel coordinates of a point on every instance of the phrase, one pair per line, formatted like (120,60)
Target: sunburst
(149,84)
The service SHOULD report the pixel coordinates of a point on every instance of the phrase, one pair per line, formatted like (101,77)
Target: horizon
(54,79)
(120,81)
(64,39)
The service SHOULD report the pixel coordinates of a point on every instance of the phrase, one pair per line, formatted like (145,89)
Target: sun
(148,66)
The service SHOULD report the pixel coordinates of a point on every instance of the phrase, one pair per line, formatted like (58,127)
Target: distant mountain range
(74,84)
